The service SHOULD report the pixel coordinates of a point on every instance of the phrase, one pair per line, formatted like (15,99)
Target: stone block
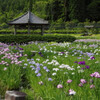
(14,95)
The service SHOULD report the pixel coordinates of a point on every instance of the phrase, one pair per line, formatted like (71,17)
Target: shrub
(27,38)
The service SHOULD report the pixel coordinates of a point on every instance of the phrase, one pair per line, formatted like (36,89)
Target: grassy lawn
(94,36)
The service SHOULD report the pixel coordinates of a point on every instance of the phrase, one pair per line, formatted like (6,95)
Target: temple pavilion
(28,20)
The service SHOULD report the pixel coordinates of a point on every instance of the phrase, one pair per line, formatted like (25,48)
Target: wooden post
(14,29)
(42,29)
(28,29)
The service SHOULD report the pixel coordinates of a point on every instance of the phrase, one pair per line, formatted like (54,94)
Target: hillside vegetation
(52,10)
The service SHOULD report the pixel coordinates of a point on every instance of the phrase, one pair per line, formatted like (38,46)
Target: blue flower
(40,53)
(50,79)
(36,71)
(25,64)
(47,70)
(37,64)
(32,66)
(45,67)
(38,68)
(39,74)
(21,49)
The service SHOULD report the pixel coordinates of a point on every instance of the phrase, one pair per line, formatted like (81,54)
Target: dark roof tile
(28,18)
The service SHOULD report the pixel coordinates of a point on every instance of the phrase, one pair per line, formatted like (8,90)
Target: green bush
(27,38)
(64,31)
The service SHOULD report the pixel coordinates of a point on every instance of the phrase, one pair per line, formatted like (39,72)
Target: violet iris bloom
(92,57)
(87,67)
(81,62)
(76,62)
(21,49)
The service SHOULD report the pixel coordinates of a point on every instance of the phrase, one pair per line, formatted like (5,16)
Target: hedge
(27,38)
(64,31)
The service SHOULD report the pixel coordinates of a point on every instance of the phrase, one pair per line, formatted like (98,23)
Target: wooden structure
(28,19)
(93,28)
(89,26)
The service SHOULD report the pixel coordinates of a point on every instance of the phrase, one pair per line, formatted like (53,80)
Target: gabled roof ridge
(19,17)
(37,17)
(28,18)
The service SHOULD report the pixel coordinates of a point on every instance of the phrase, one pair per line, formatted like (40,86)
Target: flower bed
(59,71)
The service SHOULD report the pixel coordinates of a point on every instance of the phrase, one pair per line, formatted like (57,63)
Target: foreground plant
(58,70)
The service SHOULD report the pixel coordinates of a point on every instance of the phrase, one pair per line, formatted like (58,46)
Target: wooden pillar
(14,29)
(28,29)
(42,29)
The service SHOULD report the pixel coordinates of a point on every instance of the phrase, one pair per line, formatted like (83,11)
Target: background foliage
(52,10)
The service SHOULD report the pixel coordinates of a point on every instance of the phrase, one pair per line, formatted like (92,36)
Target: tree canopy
(51,10)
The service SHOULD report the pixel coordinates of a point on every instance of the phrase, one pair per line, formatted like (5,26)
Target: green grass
(94,36)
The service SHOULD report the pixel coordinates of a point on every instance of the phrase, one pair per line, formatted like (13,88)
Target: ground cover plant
(52,71)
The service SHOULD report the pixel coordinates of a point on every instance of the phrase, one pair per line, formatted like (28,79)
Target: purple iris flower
(32,59)
(78,57)
(81,52)
(21,49)
(82,68)
(81,62)
(92,57)
(39,74)
(41,64)
(45,67)
(37,64)
(87,67)
(90,54)
(31,66)
(38,68)
(62,52)
(36,71)
(76,62)
(12,44)
(47,70)
(50,79)
(40,53)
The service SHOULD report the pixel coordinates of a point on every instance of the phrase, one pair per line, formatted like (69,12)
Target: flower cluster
(95,74)
(8,57)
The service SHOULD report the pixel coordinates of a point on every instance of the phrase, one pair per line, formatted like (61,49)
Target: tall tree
(77,9)
(65,9)
(55,9)
(94,10)
(30,5)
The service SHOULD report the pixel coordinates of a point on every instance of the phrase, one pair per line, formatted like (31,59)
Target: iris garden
(54,71)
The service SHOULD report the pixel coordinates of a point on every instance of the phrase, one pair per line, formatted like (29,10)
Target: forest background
(51,10)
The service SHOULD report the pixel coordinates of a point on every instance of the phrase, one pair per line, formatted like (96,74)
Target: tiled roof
(28,18)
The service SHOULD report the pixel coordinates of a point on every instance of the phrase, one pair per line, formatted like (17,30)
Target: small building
(29,19)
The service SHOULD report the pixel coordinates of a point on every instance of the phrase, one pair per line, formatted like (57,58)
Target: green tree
(94,10)
(54,9)
(77,9)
